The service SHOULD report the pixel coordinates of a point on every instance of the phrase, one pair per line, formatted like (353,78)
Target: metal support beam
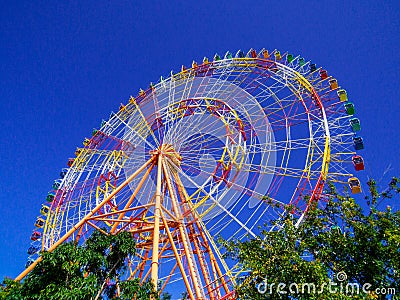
(184,237)
(82,221)
(156,230)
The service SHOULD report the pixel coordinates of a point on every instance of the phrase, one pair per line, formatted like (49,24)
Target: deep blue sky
(65,66)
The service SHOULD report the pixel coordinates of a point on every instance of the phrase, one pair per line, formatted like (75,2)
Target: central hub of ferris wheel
(167,151)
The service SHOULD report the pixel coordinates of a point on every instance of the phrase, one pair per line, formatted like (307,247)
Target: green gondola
(289,58)
(50,197)
(56,185)
(228,55)
(349,108)
(355,124)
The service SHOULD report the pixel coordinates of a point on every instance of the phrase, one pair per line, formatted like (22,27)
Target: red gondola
(35,235)
(70,162)
(358,162)
(323,74)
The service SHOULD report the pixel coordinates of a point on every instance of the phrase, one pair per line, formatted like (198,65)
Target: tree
(94,270)
(340,251)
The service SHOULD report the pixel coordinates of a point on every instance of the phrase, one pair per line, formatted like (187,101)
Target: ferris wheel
(215,150)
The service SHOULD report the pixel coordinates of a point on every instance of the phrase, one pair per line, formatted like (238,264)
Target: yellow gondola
(355,185)
(39,223)
(44,210)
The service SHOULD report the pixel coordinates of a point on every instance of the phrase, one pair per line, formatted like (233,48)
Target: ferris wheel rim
(132,149)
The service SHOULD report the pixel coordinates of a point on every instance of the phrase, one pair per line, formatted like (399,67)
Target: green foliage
(166,296)
(341,237)
(91,271)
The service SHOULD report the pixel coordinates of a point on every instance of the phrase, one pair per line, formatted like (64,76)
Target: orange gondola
(39,223)
(355,185)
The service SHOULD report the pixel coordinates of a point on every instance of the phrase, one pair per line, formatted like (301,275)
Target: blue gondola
(358,143)
(32,250)
(239,54)
(29,262)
